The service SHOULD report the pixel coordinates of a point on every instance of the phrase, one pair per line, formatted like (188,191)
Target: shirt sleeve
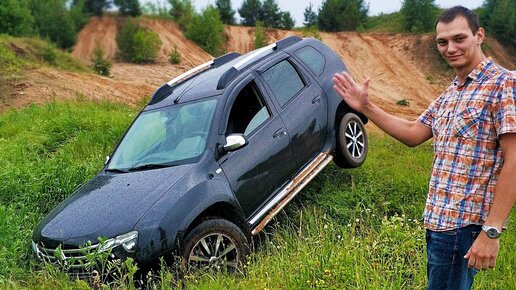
(506,113)
(427,117)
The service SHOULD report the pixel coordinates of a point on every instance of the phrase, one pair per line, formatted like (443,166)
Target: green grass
(348,229)
(386,23)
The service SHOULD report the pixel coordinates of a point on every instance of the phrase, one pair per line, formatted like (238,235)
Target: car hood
(106,206)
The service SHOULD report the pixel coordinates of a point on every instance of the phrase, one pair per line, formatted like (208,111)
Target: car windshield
(165,137)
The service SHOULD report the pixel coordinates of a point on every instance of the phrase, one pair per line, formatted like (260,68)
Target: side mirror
(233,142)
(107,160)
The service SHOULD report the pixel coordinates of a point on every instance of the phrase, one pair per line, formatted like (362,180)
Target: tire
(352,142)
(217,245)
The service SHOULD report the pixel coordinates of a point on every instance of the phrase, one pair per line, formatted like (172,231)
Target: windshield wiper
(149,166)
(118,170)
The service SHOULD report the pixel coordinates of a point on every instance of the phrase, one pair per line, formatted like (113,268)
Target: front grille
(75,258)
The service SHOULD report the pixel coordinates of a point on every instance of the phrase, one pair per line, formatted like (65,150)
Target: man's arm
(483,252)
(411,133)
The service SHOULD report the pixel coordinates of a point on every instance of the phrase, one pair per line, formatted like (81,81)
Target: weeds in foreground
(348,229)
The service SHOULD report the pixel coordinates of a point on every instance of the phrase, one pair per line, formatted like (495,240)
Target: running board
(289,192)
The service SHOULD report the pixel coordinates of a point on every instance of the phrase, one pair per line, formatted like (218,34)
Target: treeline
(56,20)
(61,20)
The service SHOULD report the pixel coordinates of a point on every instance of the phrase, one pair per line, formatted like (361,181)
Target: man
(473,124)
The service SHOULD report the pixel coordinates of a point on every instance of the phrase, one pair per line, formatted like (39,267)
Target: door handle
(316,99)
(280,132)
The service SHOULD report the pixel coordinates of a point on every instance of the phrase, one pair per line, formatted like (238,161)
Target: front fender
(173,215)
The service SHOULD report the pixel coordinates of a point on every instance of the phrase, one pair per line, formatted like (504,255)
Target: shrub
(137,44)
(15,17)
(175,56)
(403,102)
(48,53)
(100,64)
(311,31)
(207,30)
(259,36)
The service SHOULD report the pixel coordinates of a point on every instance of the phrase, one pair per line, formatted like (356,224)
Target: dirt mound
(401,67)
(102,31)
(99,31)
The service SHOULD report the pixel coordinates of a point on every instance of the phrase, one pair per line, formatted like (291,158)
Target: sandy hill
(400,66)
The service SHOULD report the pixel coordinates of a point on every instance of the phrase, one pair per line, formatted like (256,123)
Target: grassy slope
(349,229)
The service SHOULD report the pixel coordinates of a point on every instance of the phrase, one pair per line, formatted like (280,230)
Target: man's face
(458,45)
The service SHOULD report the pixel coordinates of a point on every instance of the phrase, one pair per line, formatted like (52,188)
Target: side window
(312,58)
(284,81)
(249,111)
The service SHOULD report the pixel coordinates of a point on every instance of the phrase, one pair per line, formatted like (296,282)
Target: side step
(289,192)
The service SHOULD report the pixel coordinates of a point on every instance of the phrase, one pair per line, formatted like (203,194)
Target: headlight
(128,241)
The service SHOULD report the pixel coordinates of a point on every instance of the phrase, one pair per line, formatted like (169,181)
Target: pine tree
(310,16)
(418,15)
(250,12)
(270,14)
(96,7)
(287,21)
(182,12)
(129,7)
(227,14)
(339,15)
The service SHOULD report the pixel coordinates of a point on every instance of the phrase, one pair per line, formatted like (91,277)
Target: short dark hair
(450,14)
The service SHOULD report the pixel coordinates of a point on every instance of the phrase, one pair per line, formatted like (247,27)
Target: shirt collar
(479,72)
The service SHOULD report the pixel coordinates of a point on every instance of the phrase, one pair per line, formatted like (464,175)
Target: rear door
(300,102)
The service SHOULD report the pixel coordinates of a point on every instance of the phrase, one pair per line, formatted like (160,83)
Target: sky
(297,7)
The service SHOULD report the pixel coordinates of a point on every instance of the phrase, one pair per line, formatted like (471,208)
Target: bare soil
(401,67)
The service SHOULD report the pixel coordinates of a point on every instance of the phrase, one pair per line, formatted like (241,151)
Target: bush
(15,17)
(207,30)
(311,31)
(100,64)
(175,56)
(137,44)
(55,22)
(259,36)
(48,53)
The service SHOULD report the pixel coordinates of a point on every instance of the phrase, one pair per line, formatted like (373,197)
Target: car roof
(211,78)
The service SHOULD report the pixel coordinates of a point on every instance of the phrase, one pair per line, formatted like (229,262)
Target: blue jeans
(447,268)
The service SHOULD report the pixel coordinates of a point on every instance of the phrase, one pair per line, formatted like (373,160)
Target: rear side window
(284,81)
(312,58)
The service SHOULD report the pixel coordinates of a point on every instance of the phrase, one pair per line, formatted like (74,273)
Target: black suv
(212,158)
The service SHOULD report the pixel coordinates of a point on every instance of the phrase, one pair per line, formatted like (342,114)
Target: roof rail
(168,88)
(230,74)
(195,70)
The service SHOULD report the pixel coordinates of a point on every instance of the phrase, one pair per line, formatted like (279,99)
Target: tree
(78,14)
(52,20)
(259,35)
(418,15)
(15,17)
(136,43)
(339,15)
(182,12)
(227,14)
(270,14)
(499,18)
(207,30)
(310,16)
(250,12)
(287,22)
(96,7)
(128,7)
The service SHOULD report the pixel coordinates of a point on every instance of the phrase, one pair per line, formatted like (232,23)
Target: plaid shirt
(466,122)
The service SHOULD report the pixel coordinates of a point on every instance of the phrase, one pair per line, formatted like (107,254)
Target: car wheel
(352,143)
(217,245)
